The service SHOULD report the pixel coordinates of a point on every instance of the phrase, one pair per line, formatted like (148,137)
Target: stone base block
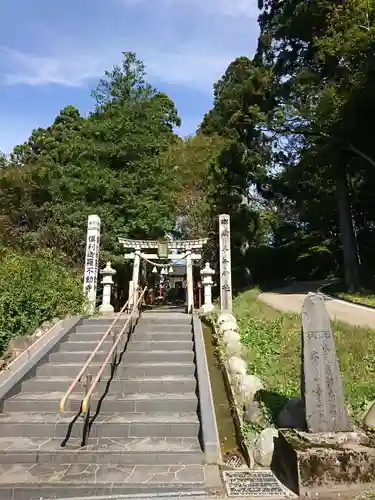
(106,309)
(324,462)
(207,308)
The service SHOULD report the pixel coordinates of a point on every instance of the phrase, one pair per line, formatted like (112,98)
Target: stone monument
(90,282)
(329,458)
(225,264)
(321,384)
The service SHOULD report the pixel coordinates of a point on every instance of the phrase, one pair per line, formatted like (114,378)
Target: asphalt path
(290,299)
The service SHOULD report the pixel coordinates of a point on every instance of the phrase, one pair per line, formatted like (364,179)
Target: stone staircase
(143,428)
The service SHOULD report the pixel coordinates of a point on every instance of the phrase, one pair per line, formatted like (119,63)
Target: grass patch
(363,297)
(273,342)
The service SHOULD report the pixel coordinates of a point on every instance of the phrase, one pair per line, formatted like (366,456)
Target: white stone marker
(92,260)
(207,282)
(225,264)
(189,283)
(107,283)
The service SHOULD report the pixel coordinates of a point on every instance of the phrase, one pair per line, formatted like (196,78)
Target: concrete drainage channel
(238,479)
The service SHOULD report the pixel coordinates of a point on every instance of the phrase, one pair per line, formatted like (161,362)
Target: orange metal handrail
(86,400)
(88,361)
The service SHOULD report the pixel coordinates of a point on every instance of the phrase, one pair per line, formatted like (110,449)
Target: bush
(35,288)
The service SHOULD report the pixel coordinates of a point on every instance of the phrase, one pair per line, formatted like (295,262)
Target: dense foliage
(110,164)
(296,173)
(35,288)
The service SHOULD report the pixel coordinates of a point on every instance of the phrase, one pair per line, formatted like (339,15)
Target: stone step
(76,357)
(150,328)
(164,320)
(182,402)
(90,337)
(69,425)
(121,451)
(97,329)
(73,481)
(162,336)
(133,369)
(165,345)
(71,346)
(148,369)
(166,383)
(158,356)
(105,321)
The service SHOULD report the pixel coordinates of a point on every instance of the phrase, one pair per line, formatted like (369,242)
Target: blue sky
(53,52)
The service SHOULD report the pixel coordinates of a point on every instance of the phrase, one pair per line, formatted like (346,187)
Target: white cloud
(189,42)
(31,69)
(187,66)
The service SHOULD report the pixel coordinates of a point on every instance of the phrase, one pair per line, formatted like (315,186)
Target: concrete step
(162,336)
(167,384)
(121,451)
(69,425)
(98,329)
(89,337)
(163,345)
(165,320)
(148,369)
(76,357)
(73,481)
(105,321)
(150,328)
(157,356)
(182,402)
(71,346)
(123,369)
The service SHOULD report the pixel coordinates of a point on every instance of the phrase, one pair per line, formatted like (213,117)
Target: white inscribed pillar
(90,283)
(189,280)
(225,264)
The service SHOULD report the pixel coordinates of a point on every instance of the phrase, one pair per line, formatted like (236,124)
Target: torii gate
(187,247)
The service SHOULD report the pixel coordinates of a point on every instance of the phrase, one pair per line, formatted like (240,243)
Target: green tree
(51,143)
(109,164)
(321,55)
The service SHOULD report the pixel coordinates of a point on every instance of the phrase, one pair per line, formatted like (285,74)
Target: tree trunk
(347,235)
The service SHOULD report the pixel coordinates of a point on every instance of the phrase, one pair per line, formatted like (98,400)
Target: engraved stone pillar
(107,283)
(189,280)
(321,383)
(207,281)
(92,261)
(225,264)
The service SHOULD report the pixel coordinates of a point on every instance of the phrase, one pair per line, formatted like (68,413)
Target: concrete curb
(20,366)
(210,436)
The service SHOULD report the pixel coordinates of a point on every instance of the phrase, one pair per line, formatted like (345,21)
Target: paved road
(290,299)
